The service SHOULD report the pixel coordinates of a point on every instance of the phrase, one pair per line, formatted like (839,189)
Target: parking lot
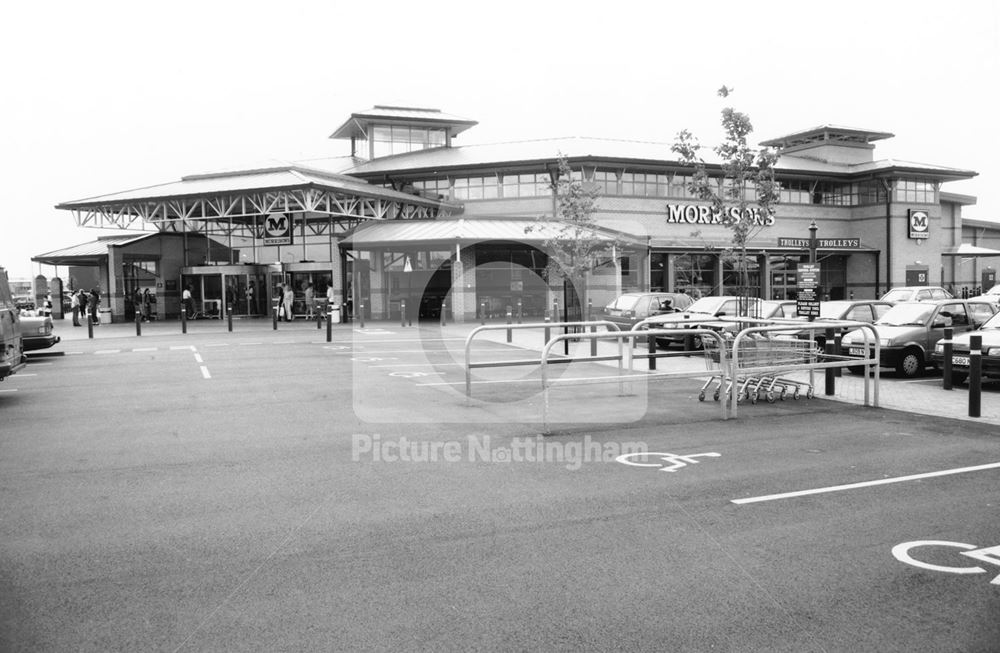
(270,490)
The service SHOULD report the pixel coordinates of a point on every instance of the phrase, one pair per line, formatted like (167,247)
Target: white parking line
(182,347)
(251,343)
(419,365)
(217,344)
(8,390)
(108,351)
(854,486)
(138,349)
(204,372)
(197,358)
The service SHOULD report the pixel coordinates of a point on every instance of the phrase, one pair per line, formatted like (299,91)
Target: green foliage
(747,178)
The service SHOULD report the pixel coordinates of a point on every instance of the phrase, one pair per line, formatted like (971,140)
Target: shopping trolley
(757,352)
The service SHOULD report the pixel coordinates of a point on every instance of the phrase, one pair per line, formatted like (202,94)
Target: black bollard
(975,375)
(184,320)
(548,331)
(520,311)
(482,313)
(229,317)
(510,333)
(830,379)
(329,326)
(90,326)
(274,319)
(651,342)
(946,343)
(444,306)
(402,312)
(138,323)
(361,315)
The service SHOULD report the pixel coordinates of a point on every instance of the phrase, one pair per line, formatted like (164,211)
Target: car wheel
(910,364)
(958,378)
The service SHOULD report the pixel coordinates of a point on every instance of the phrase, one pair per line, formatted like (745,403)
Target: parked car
(915,294)
(630,308)
(861,310)
(11,348)
(990,332)
(991,295)
(704,313)
(908,332)
(784,308)
(36,332)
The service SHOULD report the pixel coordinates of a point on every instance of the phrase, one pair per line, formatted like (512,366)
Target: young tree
(747,192)
(575,245)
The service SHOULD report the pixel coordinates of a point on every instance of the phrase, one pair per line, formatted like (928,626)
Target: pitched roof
(464,231)
(353,126)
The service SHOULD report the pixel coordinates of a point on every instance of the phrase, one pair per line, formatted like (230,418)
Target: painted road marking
(182,347)
(73,353)
(676,461)
(375,359)
(251,343)
(217,344)
(418,365)
(204,372)
(987,554)
(21,376)
(9,390)
(854,486)
(137,349)
(197,358)
(408,375)
(108,351)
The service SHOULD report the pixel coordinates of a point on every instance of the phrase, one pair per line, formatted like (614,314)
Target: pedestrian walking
(289,299)
(145,305)
(94,303)
(74,306)
(83,304)
(309,300)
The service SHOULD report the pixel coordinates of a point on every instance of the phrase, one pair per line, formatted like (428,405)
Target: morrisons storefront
(412,216)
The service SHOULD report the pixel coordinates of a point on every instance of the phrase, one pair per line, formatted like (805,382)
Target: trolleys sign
(277,229)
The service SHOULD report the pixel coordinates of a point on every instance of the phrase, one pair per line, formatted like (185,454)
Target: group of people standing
(85,304)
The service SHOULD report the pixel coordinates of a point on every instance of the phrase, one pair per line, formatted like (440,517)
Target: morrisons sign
(701,214)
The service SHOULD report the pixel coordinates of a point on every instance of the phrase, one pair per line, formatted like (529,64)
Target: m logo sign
(919,224)
(277,229)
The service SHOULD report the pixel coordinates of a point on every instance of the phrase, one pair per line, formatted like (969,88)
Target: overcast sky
(100,97)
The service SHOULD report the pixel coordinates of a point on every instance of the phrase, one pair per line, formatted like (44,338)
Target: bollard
(361,315)
(688,339)
(520,311)
(482,312)
(138,323)
(593,341)
(329,326)
(444,306)
(90,326)
(184,320)
(838,351)
(402,312)
(319,315)
(975,375)
(274,319)
(830,379)
(946,383)
(510,333)
(651,342)
(229,317)
(548,332)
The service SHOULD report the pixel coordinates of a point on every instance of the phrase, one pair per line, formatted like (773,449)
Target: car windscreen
(898,295)
(832,310)
(992,323)
(907,314)
(707,305)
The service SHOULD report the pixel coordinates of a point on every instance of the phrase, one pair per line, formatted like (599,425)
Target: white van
(11,349)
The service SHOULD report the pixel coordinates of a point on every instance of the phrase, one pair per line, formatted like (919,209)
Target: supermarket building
(413,216)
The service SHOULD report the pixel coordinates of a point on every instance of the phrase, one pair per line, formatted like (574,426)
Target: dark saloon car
(909,331)
(990,331)
(634,307)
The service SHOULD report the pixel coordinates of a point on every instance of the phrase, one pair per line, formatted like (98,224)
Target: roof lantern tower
(383,130)
(830,144)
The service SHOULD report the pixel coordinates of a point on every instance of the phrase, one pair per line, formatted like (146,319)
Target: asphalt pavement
(270,490)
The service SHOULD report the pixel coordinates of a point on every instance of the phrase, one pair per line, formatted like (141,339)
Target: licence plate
(857,351)
(960,360)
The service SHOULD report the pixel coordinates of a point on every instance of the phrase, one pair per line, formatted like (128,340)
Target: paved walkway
(919,396)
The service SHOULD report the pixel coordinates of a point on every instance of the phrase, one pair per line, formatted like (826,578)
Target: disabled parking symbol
(671,462)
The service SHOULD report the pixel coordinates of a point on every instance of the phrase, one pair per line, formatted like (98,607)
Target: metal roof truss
(160,213)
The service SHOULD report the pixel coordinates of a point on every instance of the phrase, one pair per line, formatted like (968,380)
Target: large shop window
(731,281)
(696,274)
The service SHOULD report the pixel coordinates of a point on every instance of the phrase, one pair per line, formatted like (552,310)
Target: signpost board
(807,304)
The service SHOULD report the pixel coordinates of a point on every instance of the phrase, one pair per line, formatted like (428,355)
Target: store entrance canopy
(970,251)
